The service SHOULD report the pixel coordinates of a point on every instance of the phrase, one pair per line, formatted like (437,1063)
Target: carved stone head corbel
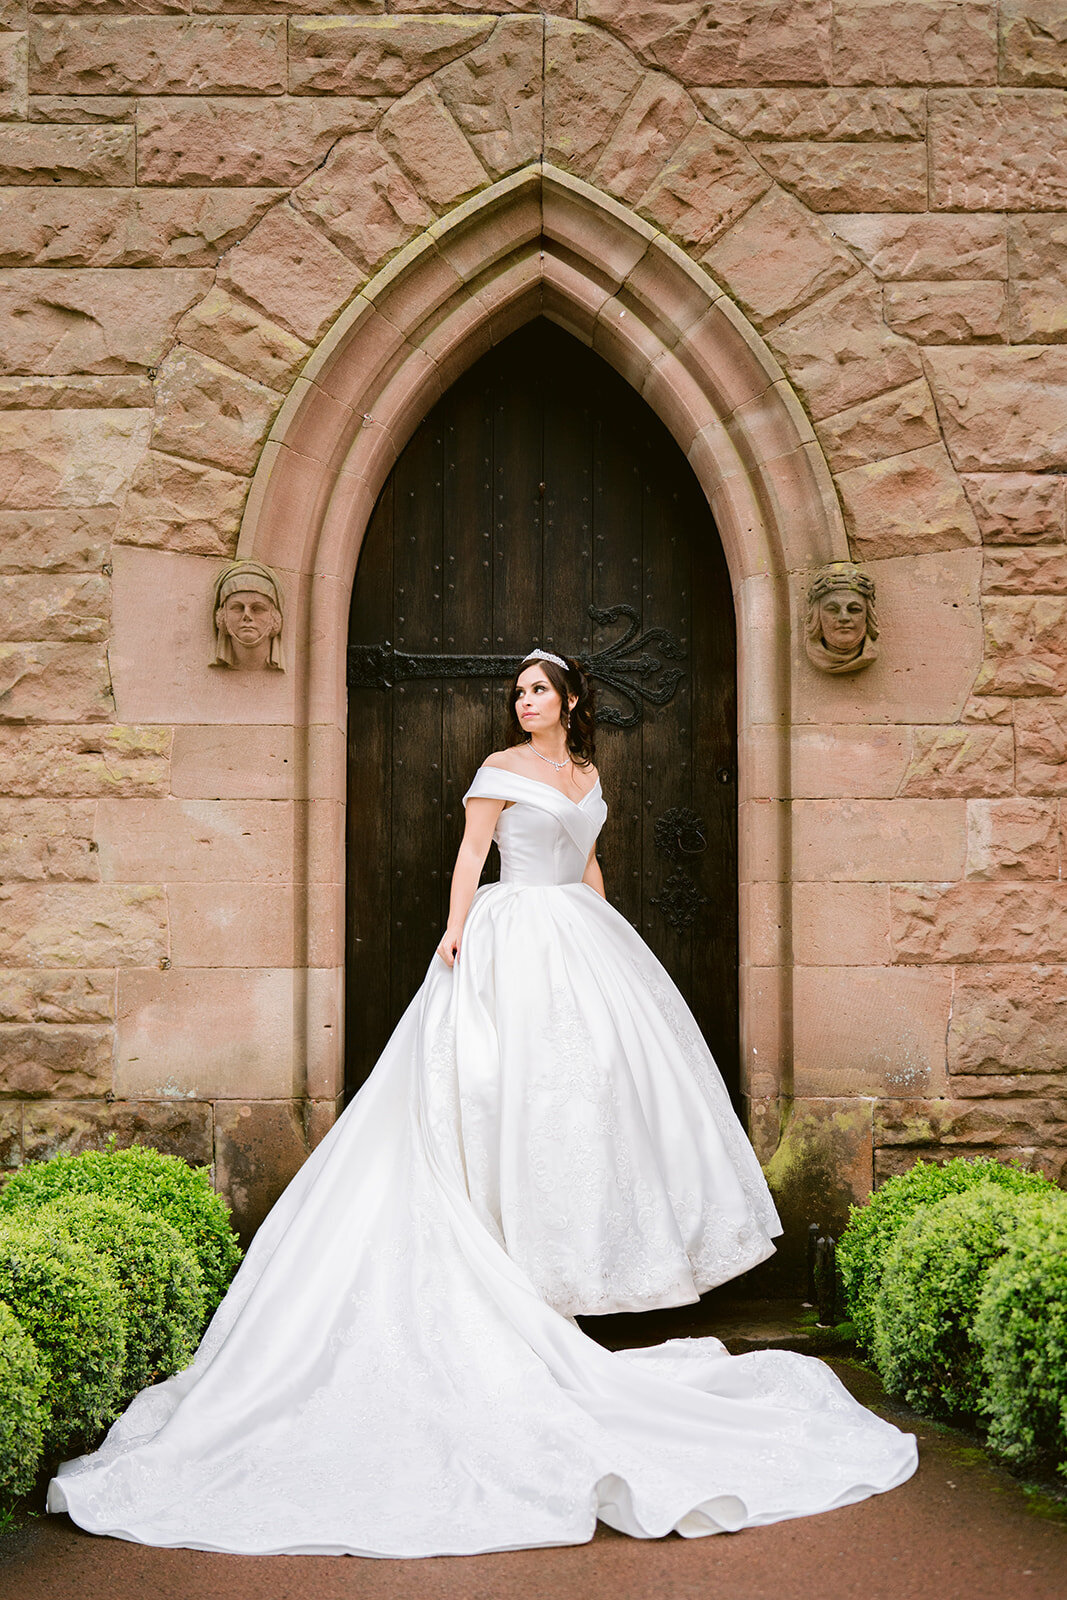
(248,615)
(842,625)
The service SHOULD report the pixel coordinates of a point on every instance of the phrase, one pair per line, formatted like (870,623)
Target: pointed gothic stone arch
(544,243)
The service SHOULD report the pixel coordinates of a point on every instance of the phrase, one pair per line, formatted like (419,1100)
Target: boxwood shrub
(928,1299)
(873,1227)
(158,1274)
(70,1303)
(1021,1333)
(150,1181)
(24,1413)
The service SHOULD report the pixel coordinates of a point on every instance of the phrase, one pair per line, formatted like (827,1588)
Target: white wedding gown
(395,1370)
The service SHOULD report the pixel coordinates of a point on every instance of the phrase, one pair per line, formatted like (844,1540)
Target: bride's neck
(553,749)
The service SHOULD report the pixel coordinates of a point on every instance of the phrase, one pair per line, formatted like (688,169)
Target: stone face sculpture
(842,626)
(248,615)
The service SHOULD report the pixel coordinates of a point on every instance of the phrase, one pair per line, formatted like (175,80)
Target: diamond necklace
(559,765)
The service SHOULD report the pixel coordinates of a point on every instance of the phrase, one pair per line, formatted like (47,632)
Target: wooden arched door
(542,502)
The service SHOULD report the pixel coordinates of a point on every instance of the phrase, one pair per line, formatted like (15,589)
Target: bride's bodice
(543,837)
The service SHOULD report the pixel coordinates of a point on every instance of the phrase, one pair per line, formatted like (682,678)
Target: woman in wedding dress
(396,1369)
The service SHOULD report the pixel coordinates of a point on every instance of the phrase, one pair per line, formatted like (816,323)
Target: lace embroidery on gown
(395,1370)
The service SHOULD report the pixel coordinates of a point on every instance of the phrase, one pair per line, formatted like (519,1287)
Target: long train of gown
(395,1370)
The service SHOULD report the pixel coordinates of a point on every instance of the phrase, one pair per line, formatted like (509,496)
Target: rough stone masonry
(198,202)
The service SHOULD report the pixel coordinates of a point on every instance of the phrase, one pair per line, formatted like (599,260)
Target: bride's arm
(593,875)
(477,837)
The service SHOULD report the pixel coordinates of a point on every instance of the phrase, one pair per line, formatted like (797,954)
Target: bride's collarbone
(520,766)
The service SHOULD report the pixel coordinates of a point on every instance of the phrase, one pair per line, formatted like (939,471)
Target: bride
(396,1369)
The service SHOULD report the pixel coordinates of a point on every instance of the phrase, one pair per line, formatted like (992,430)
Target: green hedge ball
(70,1303)
(151,1181)
(873,1227)
(1021,1333)
(24,1410)
(158,1274)
(933,1280)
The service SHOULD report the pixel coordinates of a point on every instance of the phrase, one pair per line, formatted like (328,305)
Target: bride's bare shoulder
(508,760)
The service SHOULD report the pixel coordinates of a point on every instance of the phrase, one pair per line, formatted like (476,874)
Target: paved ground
(959,1530)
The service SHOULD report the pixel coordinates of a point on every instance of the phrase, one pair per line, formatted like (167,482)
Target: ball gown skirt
(396,1371)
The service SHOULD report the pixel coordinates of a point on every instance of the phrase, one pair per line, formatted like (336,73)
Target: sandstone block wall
(191,194)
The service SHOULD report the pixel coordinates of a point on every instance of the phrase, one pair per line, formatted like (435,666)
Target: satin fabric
(396,1371)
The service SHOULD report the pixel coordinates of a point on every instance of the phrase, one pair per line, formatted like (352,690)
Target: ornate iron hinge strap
(680,832)
(680,900)
(633,666)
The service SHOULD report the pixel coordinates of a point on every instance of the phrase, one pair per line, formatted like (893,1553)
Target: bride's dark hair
(579,723)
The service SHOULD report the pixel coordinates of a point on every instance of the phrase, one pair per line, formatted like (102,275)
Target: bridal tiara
(545,655)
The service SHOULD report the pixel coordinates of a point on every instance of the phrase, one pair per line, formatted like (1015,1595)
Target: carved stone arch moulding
(542,242)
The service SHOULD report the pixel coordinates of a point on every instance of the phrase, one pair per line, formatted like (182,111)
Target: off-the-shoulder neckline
(539,783)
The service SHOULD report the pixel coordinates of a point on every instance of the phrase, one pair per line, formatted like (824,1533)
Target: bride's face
(537,703)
